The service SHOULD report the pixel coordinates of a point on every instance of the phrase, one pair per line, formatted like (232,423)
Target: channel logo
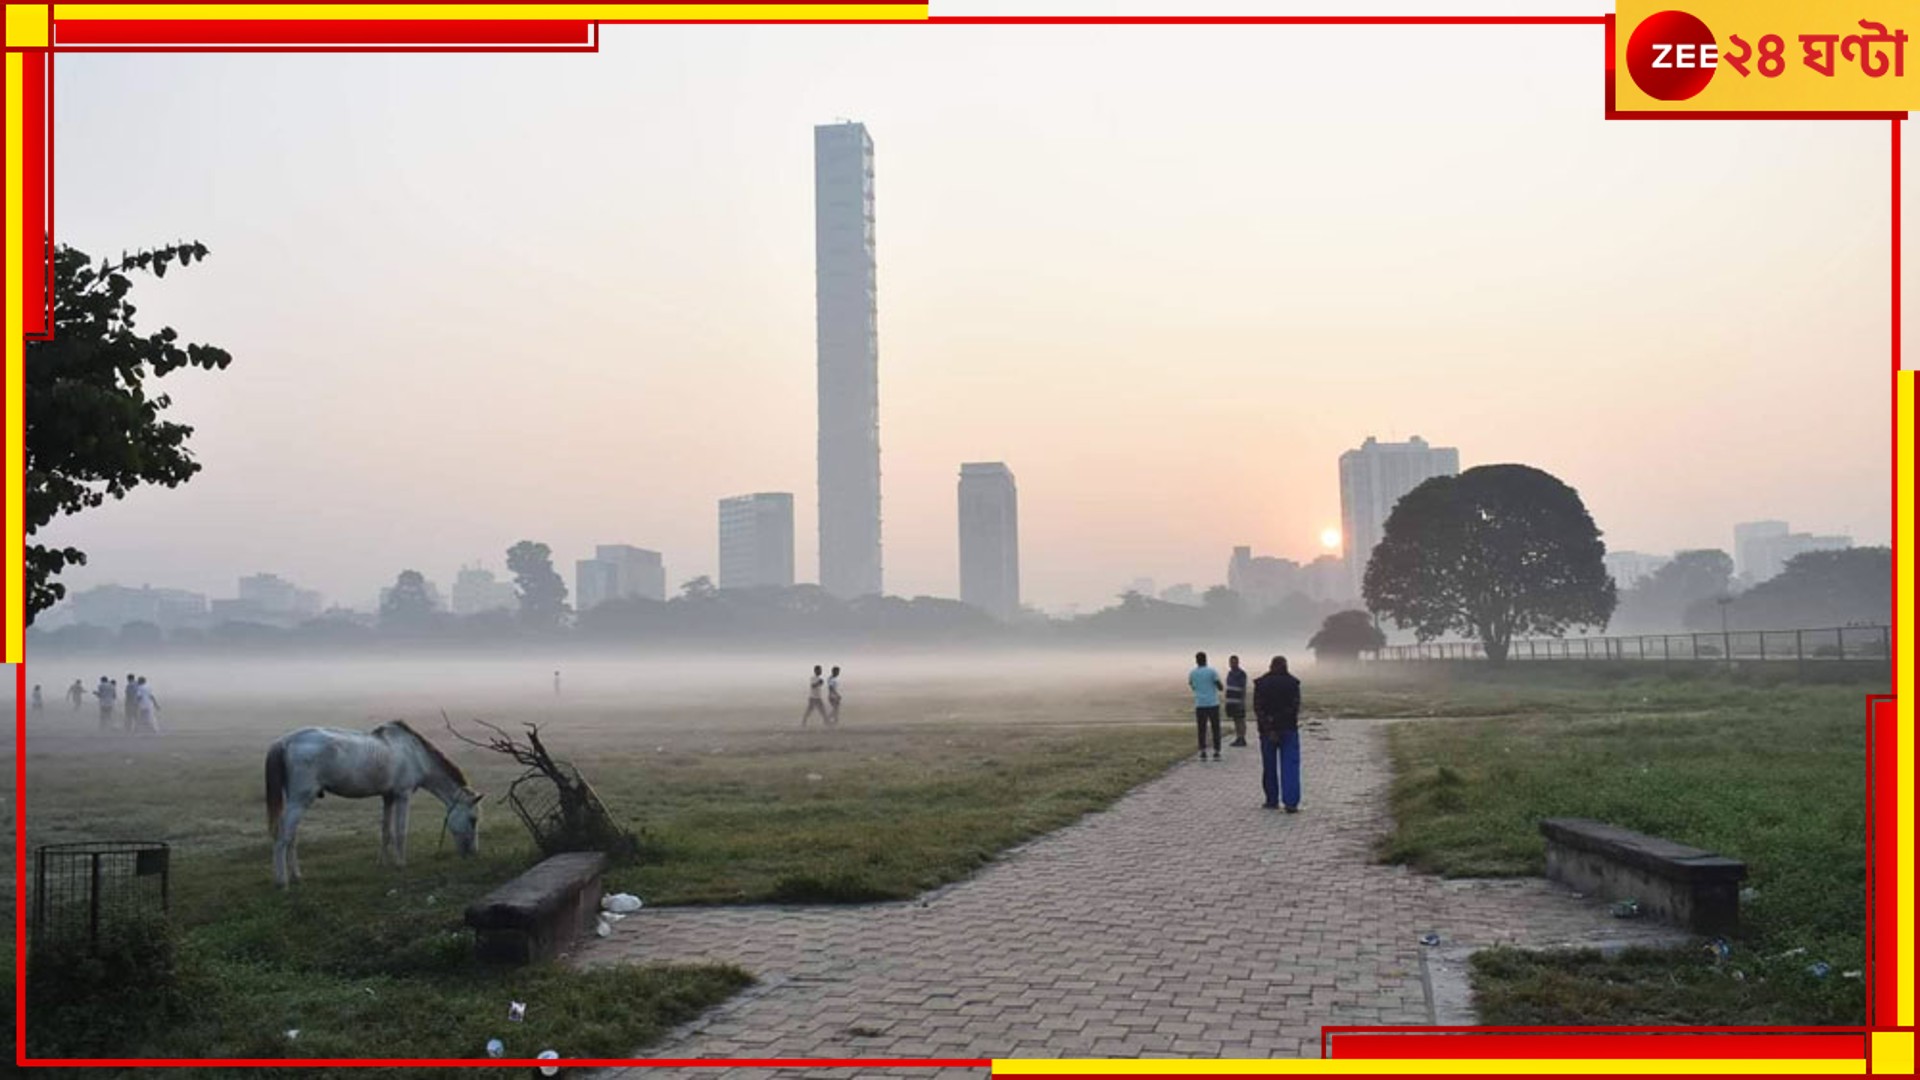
(1672,56)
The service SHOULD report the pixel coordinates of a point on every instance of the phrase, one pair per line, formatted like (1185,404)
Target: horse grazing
(390,761)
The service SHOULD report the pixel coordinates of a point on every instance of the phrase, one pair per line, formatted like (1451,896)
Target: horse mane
(446,764)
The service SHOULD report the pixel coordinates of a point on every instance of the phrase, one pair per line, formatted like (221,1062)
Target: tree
(1495,552)
(1821,589)
(408,606)
(1691,580)
(1226,607)
(92,430)
(700,588)
(543,596)
(1345,635)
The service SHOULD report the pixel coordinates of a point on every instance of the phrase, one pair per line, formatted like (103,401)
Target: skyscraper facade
(847,339)
(1372,479)
(990,539)
(617,572)
(756,540)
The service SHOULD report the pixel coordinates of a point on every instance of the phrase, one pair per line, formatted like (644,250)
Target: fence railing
(1856,643)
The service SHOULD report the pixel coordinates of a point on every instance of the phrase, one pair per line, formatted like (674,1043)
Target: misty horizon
(1168,338)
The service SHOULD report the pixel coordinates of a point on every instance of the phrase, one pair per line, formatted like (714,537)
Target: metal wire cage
(579,822)
(83,890)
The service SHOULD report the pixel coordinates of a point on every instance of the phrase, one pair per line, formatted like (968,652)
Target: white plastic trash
(622,903)
(549,1055)
(516,1011)
(293,1033)
(815,777)
(495,1048)
(601,929)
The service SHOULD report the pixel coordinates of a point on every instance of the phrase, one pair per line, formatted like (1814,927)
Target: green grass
(1773,775)
(369,961)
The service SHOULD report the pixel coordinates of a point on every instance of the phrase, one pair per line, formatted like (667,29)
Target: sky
(1166,274)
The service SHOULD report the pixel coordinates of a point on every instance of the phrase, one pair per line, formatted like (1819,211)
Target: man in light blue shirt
(1206,686)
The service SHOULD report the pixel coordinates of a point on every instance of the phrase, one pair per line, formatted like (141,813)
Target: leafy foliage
(1495,552)
(93,430)
(1661,602)
(408,606)
(1822,588)
(1345,635)
(543,596)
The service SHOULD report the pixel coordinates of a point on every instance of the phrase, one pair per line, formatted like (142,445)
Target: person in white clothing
(814,702)
(148,706)
(833,697)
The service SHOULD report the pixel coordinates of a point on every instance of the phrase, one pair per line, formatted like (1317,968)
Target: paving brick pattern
(1184,921)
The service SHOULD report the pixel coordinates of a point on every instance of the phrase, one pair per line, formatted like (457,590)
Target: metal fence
(81,890)
(1856,643)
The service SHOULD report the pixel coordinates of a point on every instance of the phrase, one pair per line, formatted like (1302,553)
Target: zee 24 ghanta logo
(1672,55)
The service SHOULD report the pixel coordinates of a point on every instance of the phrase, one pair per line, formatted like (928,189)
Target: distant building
(276,596)
(1372,479)
(1263,580)
(1746,536)
(113,606)
(847,338)
(1143,586)
(990,539)
(617,572)
(1630,568)
(756,540)
(1768,555)
(476,590)
(1328,579)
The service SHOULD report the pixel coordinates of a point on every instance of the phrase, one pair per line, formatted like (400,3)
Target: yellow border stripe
(15,515)
(558,12)
(1431,1066)
(1903,585)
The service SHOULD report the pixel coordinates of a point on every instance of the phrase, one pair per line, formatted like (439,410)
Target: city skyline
(1171,388)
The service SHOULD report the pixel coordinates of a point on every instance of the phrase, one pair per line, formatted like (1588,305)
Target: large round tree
(1496,552)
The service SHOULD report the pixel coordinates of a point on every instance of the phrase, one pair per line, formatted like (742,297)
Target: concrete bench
(1674,883)
(542,911)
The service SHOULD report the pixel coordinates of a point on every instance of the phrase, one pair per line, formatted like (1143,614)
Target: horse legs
(386,828)
(400,806)
(286,861)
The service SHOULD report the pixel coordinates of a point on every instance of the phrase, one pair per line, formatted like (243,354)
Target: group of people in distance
(829,708)
(140,706)
(1276,713)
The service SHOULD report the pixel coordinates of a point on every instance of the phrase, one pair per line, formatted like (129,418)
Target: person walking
(147,706)
(556,684)
(132,706)
(75,694)
(1276,711)
(39,703)
(1206,686)
(1237,699)
(814,702)
(833,698)
(105,693)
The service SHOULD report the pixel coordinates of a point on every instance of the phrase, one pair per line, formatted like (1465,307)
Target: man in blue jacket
(1276,709)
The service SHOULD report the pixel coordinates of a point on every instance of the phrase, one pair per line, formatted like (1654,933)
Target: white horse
(391,761)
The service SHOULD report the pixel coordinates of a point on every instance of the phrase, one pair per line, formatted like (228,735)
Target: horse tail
(276,787)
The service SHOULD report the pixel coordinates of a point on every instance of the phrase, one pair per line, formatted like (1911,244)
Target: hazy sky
(1167,274)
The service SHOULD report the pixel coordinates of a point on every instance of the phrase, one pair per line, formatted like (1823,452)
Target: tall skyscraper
(1748,538)
(990,539)
(1372,479)
(847,337)
(756,540)
(1762,549)
(616,572)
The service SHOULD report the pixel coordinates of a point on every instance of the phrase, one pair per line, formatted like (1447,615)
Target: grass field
(921,784)
(1773,775)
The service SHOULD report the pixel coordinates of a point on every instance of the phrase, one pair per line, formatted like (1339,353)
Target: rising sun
(1330,539)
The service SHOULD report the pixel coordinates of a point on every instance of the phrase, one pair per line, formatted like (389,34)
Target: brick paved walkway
(1185,921)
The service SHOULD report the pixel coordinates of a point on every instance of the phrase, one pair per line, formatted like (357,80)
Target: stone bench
(536,915)
(1672,882)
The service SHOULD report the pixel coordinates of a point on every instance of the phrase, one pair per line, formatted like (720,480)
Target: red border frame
(485,36)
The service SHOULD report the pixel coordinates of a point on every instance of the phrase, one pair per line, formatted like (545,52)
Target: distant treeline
(704,614)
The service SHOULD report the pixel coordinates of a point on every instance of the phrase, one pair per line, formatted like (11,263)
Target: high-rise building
(1769,554)
(272,594)
(990,539)
(756,540)
(1372,479)
(476,590)
(1263,580)
(1630,568)
(618,572)
(846,312)
(1747,536)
